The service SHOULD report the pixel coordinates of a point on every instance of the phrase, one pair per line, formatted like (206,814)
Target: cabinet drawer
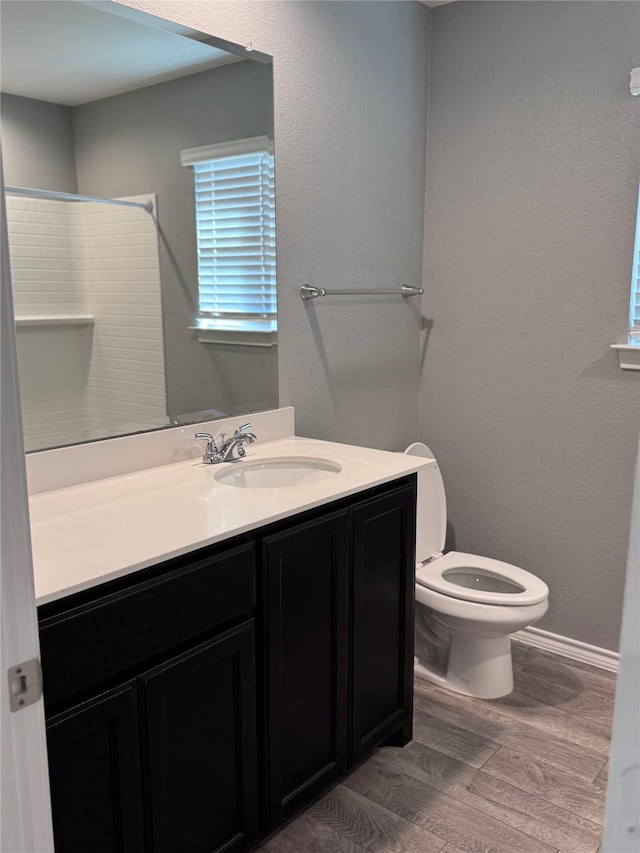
(95,643)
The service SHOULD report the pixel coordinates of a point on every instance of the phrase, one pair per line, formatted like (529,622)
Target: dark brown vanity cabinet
(94,773)
(383,591)
(193,707)
(338,616)
(165,761)
(306,631)
(199,760)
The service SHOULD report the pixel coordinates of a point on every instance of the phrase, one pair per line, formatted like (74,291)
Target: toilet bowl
(467,606)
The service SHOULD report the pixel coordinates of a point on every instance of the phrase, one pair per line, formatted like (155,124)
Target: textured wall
(350,95)
(37,144)
(531,189)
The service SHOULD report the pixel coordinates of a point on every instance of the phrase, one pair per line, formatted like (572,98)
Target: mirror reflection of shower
(101,100)
(86,283)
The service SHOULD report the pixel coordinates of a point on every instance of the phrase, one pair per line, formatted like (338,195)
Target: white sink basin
(278,473)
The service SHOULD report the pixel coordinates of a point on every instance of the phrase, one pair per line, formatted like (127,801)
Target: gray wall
(350,94)
(37,144)
(531,191)
(130,144)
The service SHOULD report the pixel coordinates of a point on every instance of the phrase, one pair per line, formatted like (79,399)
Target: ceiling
(70,52)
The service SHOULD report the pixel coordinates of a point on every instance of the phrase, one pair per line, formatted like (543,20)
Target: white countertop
(86,534)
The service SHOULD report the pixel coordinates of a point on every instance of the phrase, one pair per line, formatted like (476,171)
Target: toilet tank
(431,511)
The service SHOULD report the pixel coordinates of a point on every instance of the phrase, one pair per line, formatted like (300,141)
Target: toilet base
(477,667)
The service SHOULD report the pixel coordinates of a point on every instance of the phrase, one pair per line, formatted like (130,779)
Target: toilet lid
(481,579)
(431,507)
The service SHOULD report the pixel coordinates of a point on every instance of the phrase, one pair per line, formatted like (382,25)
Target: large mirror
(102,102)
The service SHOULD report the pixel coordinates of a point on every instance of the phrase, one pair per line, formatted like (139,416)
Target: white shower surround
(91,276)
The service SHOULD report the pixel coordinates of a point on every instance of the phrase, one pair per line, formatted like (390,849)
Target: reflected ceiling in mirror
(106,296)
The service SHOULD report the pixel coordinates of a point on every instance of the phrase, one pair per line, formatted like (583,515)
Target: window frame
(634,303)
(238,328)
(629,352)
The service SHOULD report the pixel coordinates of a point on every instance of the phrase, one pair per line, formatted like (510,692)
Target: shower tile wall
(53,360)
(86,381)
(121,267)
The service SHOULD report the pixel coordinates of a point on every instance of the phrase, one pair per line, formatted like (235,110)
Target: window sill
(235,337)
(628,355)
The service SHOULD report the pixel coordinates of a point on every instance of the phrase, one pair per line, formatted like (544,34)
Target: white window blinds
(236,235)
(634,311)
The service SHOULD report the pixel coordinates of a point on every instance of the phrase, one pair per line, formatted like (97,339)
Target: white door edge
(25,810)
(622,816)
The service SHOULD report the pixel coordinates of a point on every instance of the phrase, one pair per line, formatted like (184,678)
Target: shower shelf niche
(55,320)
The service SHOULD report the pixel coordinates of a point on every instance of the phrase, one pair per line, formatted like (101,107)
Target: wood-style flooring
(523,774)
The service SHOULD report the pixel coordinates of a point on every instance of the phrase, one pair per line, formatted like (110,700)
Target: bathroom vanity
(196,702)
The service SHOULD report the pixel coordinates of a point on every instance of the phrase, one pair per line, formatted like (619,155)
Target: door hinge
(25,684)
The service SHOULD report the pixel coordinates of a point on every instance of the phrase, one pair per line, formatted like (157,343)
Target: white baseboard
(569,648)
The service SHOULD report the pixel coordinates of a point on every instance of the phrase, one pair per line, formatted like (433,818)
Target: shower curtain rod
(55,196)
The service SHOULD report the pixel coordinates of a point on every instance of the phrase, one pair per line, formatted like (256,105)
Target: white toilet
(466,606)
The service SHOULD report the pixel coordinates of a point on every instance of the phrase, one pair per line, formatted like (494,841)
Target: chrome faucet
(224,453)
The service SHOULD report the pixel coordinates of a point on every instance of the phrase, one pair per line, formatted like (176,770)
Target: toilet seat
(470,604)
(460,576)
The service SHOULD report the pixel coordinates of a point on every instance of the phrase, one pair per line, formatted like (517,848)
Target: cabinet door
(305,596)
(383,535)
(199,747)
(94,772)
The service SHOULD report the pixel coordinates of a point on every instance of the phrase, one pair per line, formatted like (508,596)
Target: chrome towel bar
(308,292)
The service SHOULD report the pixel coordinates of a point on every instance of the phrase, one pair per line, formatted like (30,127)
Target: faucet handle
(211,450)
(241,429)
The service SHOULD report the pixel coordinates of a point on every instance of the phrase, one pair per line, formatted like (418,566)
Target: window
(629,352)
(235,230)
(634,310)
